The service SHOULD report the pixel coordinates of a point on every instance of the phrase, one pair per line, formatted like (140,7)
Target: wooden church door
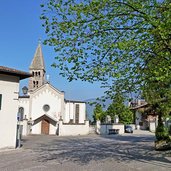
(45,127)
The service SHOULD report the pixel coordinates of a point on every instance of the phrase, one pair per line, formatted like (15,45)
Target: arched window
(37,83)
(34,84)
(20,114)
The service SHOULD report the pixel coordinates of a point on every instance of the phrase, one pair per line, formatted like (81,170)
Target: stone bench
(113,131)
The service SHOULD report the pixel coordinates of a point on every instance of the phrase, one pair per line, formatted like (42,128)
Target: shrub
(161,133)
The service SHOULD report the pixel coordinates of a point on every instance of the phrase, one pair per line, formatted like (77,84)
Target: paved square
(134,152)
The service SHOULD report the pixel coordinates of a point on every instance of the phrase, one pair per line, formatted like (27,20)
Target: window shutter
(77,112)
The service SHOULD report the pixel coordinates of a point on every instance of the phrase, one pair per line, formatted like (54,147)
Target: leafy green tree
(113,41)
(99,114)
(125,44)
(118,108)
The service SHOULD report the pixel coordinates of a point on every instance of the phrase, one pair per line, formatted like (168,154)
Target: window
(46,107)
(37,83)
(77,112)
(20,114)
(33,84)
(0,100)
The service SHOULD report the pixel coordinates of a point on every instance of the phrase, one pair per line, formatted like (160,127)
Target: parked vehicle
(128,129)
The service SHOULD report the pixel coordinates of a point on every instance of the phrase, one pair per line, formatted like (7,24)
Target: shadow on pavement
(82,150)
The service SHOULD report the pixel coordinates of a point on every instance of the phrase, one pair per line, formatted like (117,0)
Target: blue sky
(20,29)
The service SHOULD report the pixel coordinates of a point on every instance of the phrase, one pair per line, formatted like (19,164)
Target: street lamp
(25,90)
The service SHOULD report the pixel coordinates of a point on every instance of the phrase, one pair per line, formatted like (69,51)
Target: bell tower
(37,69)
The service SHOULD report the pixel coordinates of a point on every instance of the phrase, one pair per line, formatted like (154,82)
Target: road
(134,152)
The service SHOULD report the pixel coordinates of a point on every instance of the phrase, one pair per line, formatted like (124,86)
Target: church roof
(38,60)
(74,101)
(45,116)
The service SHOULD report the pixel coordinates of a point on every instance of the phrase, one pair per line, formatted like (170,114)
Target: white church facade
(44,109)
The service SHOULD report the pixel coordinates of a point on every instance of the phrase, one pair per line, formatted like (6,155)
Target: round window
(46,108)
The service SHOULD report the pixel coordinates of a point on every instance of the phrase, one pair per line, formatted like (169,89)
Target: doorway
(45,127)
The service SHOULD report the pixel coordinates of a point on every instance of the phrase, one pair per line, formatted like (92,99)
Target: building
(9,91)
(145,117)
(45,109)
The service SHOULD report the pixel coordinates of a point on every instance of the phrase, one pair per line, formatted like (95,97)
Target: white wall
(138,117)
(152,126)
(9,88)
(52,129)
(25,127)
(104,128)
(82,117)
(72,130)
(70,112)
(36,129)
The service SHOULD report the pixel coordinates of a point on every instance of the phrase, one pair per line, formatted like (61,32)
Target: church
(43,108)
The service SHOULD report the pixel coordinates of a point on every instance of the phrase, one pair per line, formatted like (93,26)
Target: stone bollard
(98,127)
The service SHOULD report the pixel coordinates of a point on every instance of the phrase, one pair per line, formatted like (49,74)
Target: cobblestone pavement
(128,152)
